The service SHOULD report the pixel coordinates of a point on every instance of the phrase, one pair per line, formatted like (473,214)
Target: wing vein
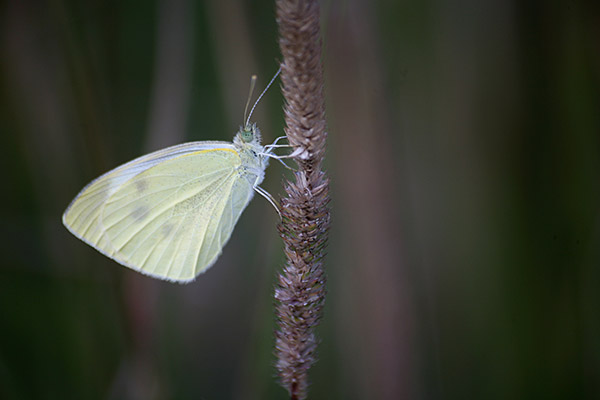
(204,236)
(154,207)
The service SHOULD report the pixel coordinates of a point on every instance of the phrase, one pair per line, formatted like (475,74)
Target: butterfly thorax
(251,152)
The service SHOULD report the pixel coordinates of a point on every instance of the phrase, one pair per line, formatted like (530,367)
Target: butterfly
(168,214)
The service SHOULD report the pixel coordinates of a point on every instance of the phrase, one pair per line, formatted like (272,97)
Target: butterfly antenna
(261,95)
(252,84)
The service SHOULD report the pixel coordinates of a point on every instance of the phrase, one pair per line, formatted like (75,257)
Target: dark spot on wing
(166,229)
(141,185)
(140,212)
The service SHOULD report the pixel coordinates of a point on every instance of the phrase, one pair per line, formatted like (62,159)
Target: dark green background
(464,156)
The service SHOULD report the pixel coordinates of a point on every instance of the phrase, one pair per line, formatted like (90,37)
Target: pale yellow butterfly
(169,214)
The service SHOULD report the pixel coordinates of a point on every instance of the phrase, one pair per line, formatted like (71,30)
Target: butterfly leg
(272,146)
(269,198)
(277,140)
(284,164)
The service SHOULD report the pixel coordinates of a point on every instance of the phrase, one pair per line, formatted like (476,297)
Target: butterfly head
(250,134)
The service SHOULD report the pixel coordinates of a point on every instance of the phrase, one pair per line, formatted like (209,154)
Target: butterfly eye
(247,134)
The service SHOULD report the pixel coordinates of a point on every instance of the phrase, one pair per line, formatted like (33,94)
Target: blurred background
(464,156)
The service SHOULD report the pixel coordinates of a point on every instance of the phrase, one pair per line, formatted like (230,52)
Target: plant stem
(300,292)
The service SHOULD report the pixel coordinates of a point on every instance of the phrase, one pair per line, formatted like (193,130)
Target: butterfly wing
(81,217)
(167,214)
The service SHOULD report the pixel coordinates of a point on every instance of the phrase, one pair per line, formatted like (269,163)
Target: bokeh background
(464,156)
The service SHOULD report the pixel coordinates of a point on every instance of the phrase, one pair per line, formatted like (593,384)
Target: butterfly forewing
(167,214)
(81,217)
